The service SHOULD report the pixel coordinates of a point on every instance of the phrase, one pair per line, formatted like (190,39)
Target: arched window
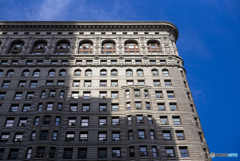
(88,72)
(10,73)
(36,73)
(154,47)
(85,48)
(16,48)
(39,48)
(77,72)
(108,47)
(62,72)
(1,73)
(62,48)
(165,72)
(114,72)
(182,74)
(140,72)
(103,72)
(129,72)
(25,73)
(51,73)
(155,72)
(131,47)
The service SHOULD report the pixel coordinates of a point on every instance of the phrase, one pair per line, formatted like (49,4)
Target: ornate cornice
(90,26)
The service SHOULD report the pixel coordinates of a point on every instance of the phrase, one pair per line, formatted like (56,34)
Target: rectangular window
(43,135)
(74,95)
(22,84)
(103,62)
(89,62)
(60,82)
(163,62)
(128,62)
(184,151)
(154,150)
(2,95)
(87,83)
(14,108)
(138,62)
(64,62)
(49,106)
(176,120)
(150,121)
(36,121)
(152,62)
(102,152)
(33,84)
(39,62)
(9,122)
(72,121)
(67,154)
(76,83)
(113,62)
(170,94)
(61,94)
(114,83)
(86,95)
(115,121)
(167,135)
(138,105)
(205,153)
(18,137)
(86,107)
(69,136)
(141,82)
(143,151)
(103,107)
(115,136)
(130,135)
(59,107)
(116,153)
(129,82)
(173,106)
(156,83)
(40,152)
(43,94)
(140,119)
(148,106)
(26,108)
(170,152)
(102,136)
(180,135)
(161,106)
(30,95)
(115,107)
(4,136)
(54,136)
(49,82)
(29,152)
(102,121)
(127,94)
(128,106)
(83,136)
(168,83)
(141,134)
(84,122)
(129,119)
(131,151)
(5,84)
(52,152)
(137,93)
(18,95)
(33,136)
(200,136)
(164,120)
(114,94)
(22,122)
(103,83)
(78,62)
(13,154)
(103,95)
(73,107)
(152,136)
(82,153)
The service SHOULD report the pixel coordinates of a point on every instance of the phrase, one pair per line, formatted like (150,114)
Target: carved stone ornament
(29,39)
(74,39)
(50,47)
(47,57)
(121,57)
(5,40)
(120,46)
(72,57)
(74,46)
(26,46)
(170,58)
(145,57)
(119,39)
(23,57)
(97,39)
(97,47)
(96,57)
(142,39)
(52,39)
(143,47)
(3,46)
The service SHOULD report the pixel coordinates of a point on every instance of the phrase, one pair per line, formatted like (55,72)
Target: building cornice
(90,26)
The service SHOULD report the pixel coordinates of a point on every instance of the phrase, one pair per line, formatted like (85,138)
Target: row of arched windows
(85,47)
(88,72)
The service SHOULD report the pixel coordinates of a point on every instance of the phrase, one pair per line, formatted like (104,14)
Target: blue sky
(208,43)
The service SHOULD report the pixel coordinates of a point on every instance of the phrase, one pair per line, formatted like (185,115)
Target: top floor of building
(110,37)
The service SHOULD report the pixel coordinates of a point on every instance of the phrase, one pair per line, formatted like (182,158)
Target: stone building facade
(95,91)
